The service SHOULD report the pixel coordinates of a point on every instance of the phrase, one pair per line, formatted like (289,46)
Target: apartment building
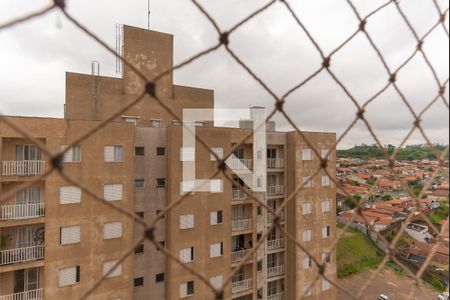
(57,240)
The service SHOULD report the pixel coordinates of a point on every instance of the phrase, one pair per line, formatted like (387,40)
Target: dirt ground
(388,283)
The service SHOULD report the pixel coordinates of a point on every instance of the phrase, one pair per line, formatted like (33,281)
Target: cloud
(35,55)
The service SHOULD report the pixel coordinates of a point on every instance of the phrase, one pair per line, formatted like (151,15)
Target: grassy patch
(355,253)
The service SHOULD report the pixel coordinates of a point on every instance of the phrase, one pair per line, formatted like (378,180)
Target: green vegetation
(387,198)
(355,253)
(441,213)
(411,152)
(397,269)
(352,203)
(436,283)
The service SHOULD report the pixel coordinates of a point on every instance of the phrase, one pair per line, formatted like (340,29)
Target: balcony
(23,168)
(239,194)
(27,295)
(239,255)
(21,212)
(279,296)
(275,244)
(275,190)
(242,164)
(20,255)
(275,163)
(275,271)
(240,286)
(244,224)
(270,217)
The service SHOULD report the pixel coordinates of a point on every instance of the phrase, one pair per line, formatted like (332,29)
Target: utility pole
(148,14)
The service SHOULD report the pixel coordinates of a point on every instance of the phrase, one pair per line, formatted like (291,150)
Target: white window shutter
(218,152)
(214,250)
(69,194)
(67,276)
(216,281)
(109,153)
(185,255)
(187,221)
(107,266)
(112,230)
(113,192)
(213,217)
(68,155)
(216,185)
(183,290)
(70,235)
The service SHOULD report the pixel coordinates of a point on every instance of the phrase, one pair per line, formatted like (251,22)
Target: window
(325,285)
(72,154)
(187,154)
(139,183)
(187,221)
(160,182)
(307,263)
(140,214)
(139,281)
(307,154)
(139,151)
(156,123)
(109,265)
(307,290)
(326,257)
(216,281)
(307,181)
(187,255)
(259,210)
(216,250)
(324,153)
(162,244)
(215,186)
(160,151)
(139,249)
(325,181)
(112,230)
(218,152)
(69,194)
(259,181)
(259,266)
(307,235)
(69,276)
(326,206)
(271,153)
(186,289)
(113,153)
(159,277)
(307,208)
(216,217)
(113,192)
(326,232)
(131,119)
(69,235)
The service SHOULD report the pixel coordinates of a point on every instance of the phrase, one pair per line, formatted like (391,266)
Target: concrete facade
(149,170)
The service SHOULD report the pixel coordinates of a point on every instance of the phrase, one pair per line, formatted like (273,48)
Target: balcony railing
(275,190)
(275,163)
(242,224)
(270,217)
(239,255)
(275,271)
(275,244)
(279,296)
(22,211)
(27,295)
(19,255)
(241,164)
(240,286)
(23,167)
(239,194)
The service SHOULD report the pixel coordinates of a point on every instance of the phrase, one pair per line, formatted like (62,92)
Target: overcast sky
(35,55)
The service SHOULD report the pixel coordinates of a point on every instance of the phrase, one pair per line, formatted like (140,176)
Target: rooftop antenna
(119,49)
(95,72)
(148,14)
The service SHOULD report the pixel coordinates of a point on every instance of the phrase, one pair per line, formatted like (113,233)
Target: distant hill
(410,152)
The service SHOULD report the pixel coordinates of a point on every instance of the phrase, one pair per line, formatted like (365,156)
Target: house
(418,232)
(419,251)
